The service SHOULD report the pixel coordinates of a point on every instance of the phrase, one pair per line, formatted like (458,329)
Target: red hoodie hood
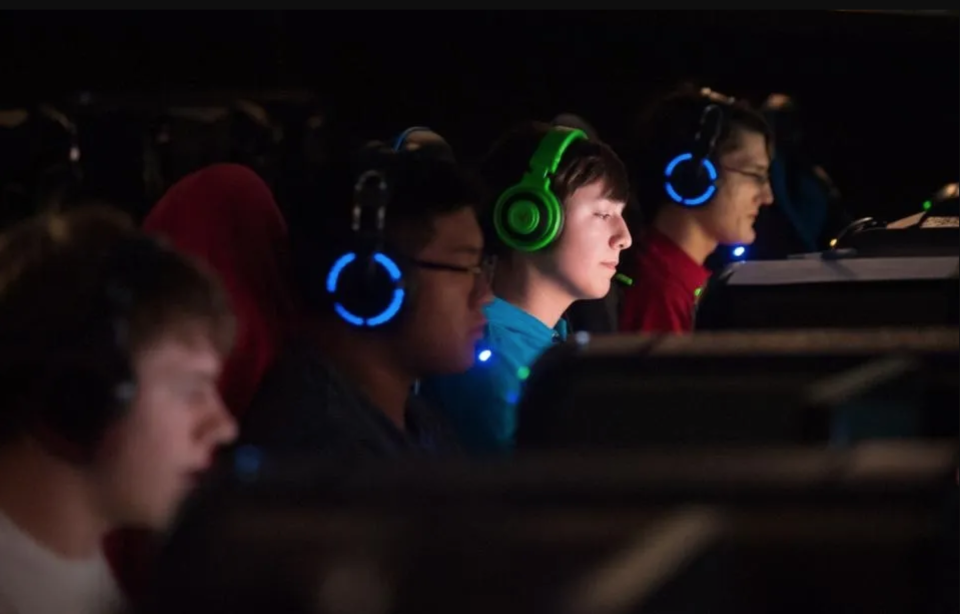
(226,216)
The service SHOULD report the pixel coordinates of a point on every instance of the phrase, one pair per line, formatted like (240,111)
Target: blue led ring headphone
(366,284)
(691,176)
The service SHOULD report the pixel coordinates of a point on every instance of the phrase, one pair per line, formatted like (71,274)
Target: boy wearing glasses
(399,237)
(701,178)
(552,250)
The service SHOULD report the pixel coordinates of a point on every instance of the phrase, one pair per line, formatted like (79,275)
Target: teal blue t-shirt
(481,403)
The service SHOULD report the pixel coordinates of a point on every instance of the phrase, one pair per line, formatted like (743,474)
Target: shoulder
(479,404)
(664,307)
(294,402)
(656,287)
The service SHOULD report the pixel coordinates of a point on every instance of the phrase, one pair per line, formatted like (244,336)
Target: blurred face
(152,458)
(445,320)
(585,258)
(743,188)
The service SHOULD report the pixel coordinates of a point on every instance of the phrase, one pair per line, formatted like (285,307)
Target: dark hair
(421,188)
(668,127)
(584,162)
(58,273)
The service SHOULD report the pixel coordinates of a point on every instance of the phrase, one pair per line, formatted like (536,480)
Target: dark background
(880,91)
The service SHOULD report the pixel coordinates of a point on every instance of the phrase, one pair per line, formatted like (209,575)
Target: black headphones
(690,175)
(89,382)
(423,139)
(366,283)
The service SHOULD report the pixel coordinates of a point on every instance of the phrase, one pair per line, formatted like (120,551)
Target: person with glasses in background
(701,174)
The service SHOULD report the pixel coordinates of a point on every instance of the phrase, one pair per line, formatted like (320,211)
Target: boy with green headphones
(557,228)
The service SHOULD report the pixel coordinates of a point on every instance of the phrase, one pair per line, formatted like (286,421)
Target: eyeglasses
(481,272)
(761,179)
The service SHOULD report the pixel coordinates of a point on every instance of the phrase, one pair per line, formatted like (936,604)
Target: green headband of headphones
(528,216)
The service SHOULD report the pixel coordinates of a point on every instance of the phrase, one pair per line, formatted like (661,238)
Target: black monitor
(814,387)
(785,531)
(831,291)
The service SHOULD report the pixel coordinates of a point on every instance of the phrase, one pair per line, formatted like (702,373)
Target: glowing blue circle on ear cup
(334,275)
(392,269)
(739,251)
(396,301)
(697,200)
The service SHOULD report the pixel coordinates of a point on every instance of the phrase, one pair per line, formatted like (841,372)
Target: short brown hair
(62,274)
(585,162)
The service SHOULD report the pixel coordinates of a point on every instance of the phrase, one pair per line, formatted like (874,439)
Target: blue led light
(390,312)
(334,275)
(739,251)
(697,200)
(348,317)
(247,461)
(392,269)
(484,355)
(396,301)
(673,164)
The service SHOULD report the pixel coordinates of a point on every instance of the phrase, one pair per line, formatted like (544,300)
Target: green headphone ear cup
(527,220)
(523,216)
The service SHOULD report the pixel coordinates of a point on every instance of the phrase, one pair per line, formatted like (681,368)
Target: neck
(371,366)
(51,501)
(682,228)
(522,284)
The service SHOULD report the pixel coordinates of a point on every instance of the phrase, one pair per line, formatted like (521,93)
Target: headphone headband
(370,193)
(546,159)
(709,144)
(401,139)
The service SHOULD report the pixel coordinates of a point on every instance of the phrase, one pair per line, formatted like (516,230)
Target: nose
(220,428)
(766,195)
(621,238)
(483,290)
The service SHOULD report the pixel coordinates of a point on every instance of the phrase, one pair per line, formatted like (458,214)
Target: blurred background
(834,488)
(156,94)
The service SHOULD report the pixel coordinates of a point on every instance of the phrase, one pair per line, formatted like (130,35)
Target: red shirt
(666,284)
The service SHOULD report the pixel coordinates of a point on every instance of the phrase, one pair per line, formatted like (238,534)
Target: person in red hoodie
(226,216)
(701,179)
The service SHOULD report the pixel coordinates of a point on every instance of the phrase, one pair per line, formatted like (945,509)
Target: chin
(598,291)
(155,520)
(453,365)
(744,238)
